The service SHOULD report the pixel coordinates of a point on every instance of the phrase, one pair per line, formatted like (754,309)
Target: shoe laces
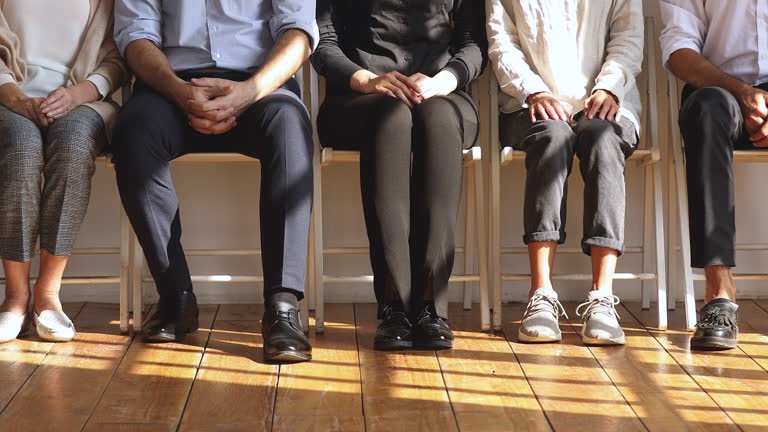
(601,305)
(395,313)
(544,303)
(714,317)
(291,317)
(429,313)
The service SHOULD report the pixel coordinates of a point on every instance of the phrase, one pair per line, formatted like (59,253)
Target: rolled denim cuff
(544,236)
(587,244)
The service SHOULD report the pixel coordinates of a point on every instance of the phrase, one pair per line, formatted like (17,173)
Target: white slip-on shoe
(599,320)
(11,326)
(540,321)
(54,326)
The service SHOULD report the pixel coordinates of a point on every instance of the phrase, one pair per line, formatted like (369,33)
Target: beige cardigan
(98,55)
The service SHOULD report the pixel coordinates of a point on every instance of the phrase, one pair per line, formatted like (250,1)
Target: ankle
(283,300)
(46,300)
(15,304)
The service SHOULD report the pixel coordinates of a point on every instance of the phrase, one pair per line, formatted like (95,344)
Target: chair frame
(649,159)
(475,200)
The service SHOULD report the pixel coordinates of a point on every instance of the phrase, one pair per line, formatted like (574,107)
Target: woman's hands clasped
(411,90)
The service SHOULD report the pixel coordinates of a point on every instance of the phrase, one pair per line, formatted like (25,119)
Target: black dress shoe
(284,340)
(173,319)
(718,326)
(394,331)
(430,331)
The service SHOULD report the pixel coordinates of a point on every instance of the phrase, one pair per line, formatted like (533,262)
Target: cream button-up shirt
(569,48)
(733,35)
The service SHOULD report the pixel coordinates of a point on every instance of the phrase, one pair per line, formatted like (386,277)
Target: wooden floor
(216,380)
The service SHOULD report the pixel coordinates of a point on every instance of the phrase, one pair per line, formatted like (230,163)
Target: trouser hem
(587,244)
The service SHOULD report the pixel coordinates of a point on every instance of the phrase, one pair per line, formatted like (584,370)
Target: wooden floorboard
(402,391)
(82,367)
(324,394)
(20,358)
(731,378)
(661,393)
(217,379)
(571,386)
(152,384)
(487,387)
(234,375)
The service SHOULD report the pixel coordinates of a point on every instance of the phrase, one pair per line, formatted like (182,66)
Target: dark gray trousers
(63,155)
(712,126)
(602,147)
(152,131)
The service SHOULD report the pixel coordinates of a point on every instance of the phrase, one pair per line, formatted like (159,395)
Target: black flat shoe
(718,327)
(395,330)
(430,331)
(284,340)
(173,319)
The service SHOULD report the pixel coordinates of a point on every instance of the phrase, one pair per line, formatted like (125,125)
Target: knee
(74,139)
(553,137)
(599,143)
(707,105)
(392,114)
(435,112)
(21,148)
(288,129)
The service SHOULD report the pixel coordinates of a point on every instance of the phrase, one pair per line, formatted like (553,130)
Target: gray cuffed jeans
(602,147)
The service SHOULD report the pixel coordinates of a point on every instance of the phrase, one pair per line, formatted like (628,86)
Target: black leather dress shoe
(430,331)
(173,319)
(284,340)
(718,327)
(394,331)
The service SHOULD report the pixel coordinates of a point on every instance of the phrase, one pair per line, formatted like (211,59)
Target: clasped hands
(44,111)
(411,90)
(212,105)
(544,106)
(753,103)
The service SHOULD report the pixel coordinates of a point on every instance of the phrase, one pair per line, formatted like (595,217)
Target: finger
(760,133)
(218,128)
(408,82)
(613,113)
(202,107)
(761,143)
(55,106)
(52,99)
(217,115)
(407,91)
(214,92)
(552,112)
(532,112)
(400,95)
(594,107)
(541,112)
(605,109)
(560,112)
(58,113)
(210,82)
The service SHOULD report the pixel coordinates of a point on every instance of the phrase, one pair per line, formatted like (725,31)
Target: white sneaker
(54,326)
(11,326)
(540,321)
(600,321)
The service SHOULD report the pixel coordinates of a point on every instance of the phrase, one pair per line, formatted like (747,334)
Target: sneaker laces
(715,317)
(601,305)
(543,303)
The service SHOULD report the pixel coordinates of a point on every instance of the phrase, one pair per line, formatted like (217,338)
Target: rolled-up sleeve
(683,26)
(137,19)
(294,14)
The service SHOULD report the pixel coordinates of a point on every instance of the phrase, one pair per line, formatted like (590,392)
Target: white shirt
(50,33)
(732,34)
(569,48)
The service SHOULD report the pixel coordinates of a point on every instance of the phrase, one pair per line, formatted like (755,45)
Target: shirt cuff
(612,83)
(102,85)
(7,79)
(526,89)
(460,71)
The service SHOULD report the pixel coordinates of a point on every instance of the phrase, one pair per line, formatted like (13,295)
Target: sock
(283,300)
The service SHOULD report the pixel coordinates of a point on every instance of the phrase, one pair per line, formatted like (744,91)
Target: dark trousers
(712,126)
(152,131)
(410,205)
(549,145)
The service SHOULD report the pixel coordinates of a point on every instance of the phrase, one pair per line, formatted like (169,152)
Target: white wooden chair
(680,213)
(474,234)
(648,158)
(137,278)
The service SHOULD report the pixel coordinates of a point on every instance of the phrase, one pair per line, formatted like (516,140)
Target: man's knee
(707,105)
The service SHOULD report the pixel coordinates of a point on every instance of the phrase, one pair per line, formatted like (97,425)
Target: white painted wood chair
(679,218)
(648,158)
(137,278)
(475,234)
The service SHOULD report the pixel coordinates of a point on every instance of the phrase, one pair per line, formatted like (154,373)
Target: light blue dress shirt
(228,34)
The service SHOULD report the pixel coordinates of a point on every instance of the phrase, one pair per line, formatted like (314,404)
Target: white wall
(220,210)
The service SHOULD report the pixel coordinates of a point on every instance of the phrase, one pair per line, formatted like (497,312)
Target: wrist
(533,97)
(11,93)
(254,89)
(360,80)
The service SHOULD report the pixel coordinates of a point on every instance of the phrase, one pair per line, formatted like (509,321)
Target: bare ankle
(720,283)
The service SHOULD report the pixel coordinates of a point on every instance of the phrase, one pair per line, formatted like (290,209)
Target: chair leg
(685,245)
(469,232)
(125,262)
(648,194)
(661,262)
(494,237)
(482,245)
(673,258)
(137,281)
(317,231)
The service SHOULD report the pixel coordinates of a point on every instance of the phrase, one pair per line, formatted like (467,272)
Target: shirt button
(214,29)
(407,58)
(217,55)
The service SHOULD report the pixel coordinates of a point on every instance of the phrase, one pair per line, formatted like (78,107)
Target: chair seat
(329,155)
(508,154)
